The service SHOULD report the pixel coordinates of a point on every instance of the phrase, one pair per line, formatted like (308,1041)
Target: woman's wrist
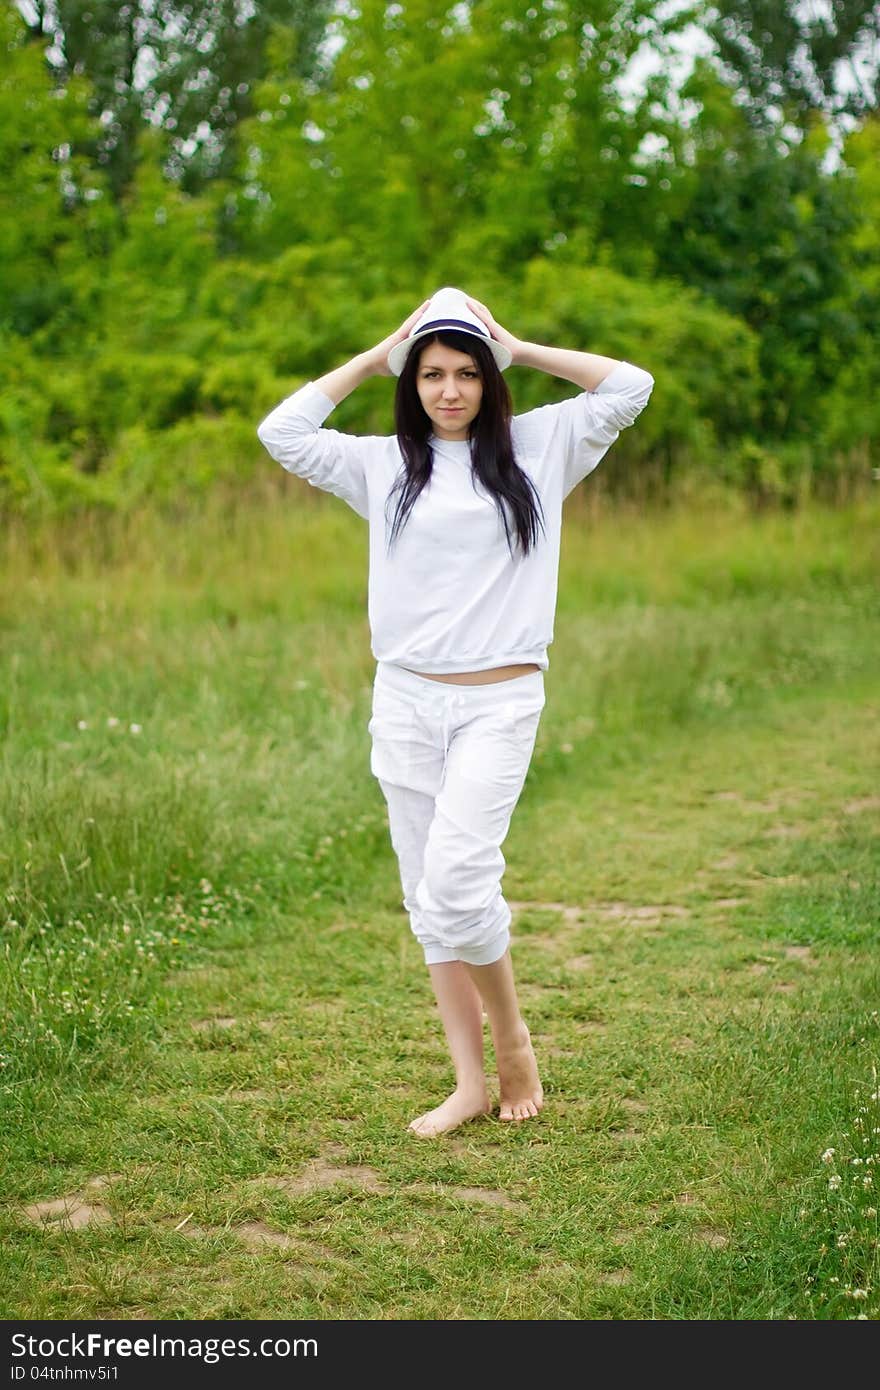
(528,354)
(584,369)
(369,363)
(519,350)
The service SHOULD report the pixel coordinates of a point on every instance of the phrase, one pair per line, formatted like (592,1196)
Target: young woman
(464,505)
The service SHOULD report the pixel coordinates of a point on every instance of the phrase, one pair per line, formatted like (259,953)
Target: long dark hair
(492,454)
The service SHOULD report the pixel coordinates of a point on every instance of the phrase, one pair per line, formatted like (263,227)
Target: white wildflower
(827,1155)
(135,729)
(833,1182)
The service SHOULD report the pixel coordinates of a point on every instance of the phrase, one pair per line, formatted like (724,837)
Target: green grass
(217,1025)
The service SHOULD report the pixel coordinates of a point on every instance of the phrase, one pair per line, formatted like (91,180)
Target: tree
(757,223)
(460,134)
(800,57)
(52,205)
(186,68)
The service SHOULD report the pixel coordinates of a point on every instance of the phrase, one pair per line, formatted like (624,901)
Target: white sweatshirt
(448,596)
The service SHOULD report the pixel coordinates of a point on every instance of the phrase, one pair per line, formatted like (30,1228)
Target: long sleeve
(326,459)
(583,428)
(597,417)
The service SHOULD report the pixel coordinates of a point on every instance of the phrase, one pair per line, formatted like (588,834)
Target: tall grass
(184,788)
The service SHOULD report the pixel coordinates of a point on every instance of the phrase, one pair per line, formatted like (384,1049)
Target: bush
(150,390)
(244,385)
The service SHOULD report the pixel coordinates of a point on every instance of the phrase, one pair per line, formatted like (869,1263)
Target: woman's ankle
(471,1085)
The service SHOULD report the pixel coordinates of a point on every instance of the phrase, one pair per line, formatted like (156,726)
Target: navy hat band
(453,323)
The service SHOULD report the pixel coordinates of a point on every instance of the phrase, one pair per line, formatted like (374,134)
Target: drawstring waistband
(452,701)
(453,706)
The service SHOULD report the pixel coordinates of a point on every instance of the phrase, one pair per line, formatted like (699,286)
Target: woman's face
(450,389)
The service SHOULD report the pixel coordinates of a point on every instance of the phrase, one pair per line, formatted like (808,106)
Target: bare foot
(521,1092)
(455,1110)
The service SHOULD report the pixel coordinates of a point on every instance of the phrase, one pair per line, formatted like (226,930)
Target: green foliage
(187,70)
(185,459)
(156,389)
(852,406)
(485,133)
(50,196)
(780,50)
(764,232)
(386,151)
(659,322)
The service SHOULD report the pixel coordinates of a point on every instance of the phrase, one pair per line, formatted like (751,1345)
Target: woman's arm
(339,383)
(584,369)
(613,395)
(334,462)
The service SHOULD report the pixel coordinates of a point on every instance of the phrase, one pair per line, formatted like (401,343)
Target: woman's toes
(518,1110)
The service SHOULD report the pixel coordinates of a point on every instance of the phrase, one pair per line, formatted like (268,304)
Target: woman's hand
(379,354)
(585,369)
(500,334)
(374,362)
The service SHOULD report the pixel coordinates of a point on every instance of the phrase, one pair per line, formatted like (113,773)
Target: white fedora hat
(448,309)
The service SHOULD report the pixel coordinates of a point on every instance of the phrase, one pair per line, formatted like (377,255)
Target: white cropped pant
(451,761)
